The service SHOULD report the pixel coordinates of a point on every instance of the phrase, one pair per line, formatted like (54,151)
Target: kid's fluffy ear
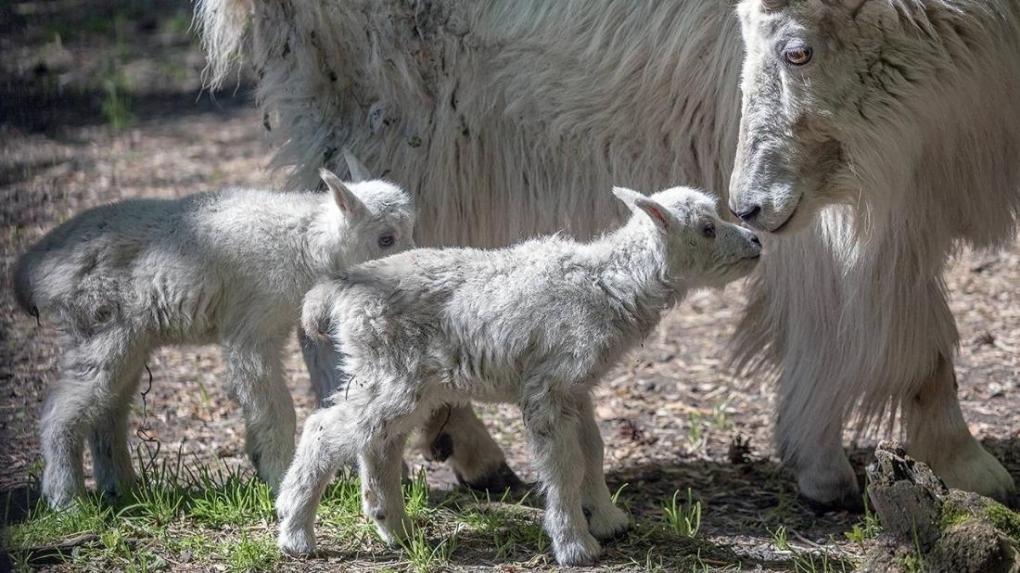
(344,197)
(662,217)
(358,170)
(628,196)
(634,200)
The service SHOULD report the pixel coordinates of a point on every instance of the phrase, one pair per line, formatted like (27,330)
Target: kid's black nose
(756,240)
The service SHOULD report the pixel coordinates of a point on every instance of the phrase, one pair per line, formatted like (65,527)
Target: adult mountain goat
(877,135)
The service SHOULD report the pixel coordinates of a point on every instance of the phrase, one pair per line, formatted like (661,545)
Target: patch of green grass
(251,554)
(867,528)
(230,498)
(683,518)
(198,546)
(416,496)
(159,496)
(509,527)
(780,539)
(203,394)
(423,556)
(695,431)
(116,107)
(45,526)
(911,563)
(804,562)
(720,419)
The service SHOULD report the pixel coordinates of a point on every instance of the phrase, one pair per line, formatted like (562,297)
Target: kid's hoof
(582,551)
(609,523)
(498,481)
(296,543)
(62,496)
(393,531)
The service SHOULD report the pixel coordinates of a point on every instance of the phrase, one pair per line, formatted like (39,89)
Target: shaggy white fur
(502,117)
(538,325)
(227,267)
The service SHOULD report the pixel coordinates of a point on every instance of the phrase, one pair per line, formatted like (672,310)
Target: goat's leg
(108,440)
(552,425)
(256,382)
(605,519)
(938,435)
(380,465)
(325,443)
(454,434)
(89,374)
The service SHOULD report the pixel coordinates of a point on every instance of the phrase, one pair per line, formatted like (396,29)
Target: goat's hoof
(62,496)
(583,550)
(498,481)
(393,531)
(830,485)
(608,523)
(296,543)
(972,468)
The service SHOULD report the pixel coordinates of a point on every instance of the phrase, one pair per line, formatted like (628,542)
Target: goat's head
(365,220)
(702,250)
(822,82)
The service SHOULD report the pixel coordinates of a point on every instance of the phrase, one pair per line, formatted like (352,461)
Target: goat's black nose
(749,213)
(756,240)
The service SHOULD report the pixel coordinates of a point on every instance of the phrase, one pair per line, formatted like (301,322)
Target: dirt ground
(107,107)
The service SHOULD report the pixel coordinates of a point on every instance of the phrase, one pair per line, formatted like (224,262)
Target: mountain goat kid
(227,267)
(537,324)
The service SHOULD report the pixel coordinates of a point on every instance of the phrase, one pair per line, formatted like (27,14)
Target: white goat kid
(537,324)
(228,267)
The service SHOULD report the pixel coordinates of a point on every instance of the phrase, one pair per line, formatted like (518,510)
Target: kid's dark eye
(708,231)
(386,241)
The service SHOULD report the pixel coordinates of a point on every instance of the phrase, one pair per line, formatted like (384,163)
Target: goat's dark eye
(708,231)
(386,241)
(797,55)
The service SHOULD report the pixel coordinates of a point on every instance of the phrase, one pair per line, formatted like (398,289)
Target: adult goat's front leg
(256,382)
(605,519)
(552,424)
(454,434)
(938,435)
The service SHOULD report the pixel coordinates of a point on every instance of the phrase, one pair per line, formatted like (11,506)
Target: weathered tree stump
(926,523)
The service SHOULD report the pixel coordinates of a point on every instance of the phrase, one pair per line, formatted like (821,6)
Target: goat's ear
(342,194)
(628,196)
(358,170)
(662,216)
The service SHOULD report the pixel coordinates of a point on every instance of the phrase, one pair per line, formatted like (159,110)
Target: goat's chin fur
(511,118)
